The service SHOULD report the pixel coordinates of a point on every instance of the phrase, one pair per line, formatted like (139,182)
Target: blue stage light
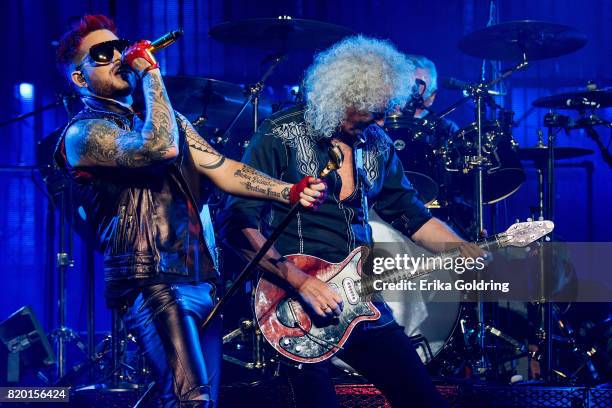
(26,90)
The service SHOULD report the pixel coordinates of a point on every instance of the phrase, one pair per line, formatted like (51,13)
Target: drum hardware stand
(222,138)
(64,335)
(546,202)
(253,93)
(247,327)
(479,92)
(548,311)
(568,336)
(63,262)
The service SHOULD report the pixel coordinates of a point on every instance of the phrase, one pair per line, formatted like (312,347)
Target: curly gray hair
(360,73)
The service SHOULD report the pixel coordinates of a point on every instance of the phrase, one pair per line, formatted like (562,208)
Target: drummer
(428,88)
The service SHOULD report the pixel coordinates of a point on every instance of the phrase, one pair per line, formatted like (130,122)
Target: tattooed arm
(229,175)
(97,142)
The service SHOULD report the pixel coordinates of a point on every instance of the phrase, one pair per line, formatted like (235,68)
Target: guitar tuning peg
(517,220)
(547,238)
(529,219)
(540,218)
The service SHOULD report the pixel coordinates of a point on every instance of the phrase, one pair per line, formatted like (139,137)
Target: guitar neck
(488,244)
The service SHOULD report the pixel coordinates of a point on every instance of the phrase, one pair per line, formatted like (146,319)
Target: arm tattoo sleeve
(100,142)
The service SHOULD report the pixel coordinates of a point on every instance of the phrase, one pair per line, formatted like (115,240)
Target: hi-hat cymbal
(279,34)
(540,153)
(601,98)
(217,101)
(509,41)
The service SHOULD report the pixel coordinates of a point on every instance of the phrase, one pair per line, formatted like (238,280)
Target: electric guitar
(299,334)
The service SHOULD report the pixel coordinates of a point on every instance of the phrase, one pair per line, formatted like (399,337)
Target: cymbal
(216,100)
(601,98)
(540,153)
(279,34)
(536,39)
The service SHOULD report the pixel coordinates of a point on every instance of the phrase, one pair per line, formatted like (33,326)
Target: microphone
(415,101)
(165,40)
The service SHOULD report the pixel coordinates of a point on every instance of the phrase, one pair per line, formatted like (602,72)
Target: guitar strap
(364,187)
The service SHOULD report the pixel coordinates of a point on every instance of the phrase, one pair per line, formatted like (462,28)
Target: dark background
(429,27)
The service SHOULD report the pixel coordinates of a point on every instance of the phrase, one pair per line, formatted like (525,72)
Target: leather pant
(185,363)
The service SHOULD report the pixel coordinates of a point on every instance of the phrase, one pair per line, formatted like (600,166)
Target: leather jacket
(146,219)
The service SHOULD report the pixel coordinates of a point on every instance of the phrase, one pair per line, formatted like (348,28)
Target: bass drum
(432,318)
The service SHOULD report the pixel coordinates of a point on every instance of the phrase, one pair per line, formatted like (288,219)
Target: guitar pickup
(350,289)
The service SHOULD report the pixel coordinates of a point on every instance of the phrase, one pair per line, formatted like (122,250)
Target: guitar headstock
(522,234)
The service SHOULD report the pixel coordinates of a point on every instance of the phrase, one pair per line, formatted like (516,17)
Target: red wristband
(296,189)
(148,69)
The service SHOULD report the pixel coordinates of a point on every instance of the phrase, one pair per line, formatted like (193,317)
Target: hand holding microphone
(139,56)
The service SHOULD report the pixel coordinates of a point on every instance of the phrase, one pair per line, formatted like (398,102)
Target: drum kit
(476,165)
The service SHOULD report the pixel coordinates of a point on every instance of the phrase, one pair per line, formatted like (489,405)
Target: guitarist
(348,88)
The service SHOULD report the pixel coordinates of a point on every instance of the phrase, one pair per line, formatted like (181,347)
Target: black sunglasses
(104,52)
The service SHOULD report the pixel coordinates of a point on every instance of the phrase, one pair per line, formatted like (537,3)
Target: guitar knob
(286,342)
(298,349)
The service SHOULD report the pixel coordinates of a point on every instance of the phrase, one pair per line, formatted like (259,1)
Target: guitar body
(293,329)
(301,335)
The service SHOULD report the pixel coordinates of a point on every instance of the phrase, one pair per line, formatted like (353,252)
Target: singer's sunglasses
(103,53)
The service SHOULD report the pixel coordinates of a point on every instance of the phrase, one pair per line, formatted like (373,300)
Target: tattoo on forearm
(266,191)
(249,173)
(285,193)
(215,164)
(258,182)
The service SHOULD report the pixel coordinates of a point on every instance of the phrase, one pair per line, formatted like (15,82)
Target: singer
(139,176)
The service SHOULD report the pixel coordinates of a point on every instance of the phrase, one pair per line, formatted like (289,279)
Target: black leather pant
(185,363)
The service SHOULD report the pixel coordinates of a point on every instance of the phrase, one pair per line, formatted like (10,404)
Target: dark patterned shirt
(285,148)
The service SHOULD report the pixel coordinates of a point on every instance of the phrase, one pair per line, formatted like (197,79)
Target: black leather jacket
(146,219)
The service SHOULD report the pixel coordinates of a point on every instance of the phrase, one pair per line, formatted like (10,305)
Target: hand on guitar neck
(437,237)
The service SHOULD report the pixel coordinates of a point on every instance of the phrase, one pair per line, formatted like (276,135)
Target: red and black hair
(71,40)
